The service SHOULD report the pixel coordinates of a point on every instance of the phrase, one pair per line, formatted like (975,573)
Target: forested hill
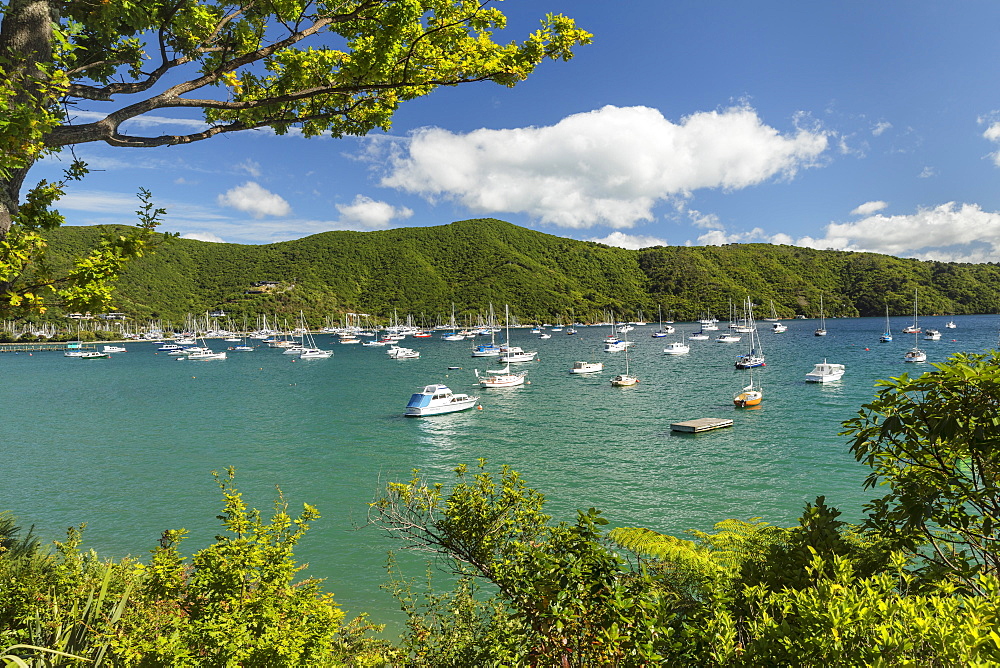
(474,263)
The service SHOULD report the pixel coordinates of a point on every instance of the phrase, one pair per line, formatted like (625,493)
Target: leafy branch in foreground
(934,442)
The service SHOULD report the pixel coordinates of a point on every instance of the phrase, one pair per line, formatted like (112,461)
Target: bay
(127,444)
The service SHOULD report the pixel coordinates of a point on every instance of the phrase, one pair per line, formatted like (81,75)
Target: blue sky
(849,125)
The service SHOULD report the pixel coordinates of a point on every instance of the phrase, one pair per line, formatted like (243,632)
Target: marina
(127,444)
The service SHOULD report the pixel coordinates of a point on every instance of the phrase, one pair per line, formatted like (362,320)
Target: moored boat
(587,367)
(437,400)
(825,372)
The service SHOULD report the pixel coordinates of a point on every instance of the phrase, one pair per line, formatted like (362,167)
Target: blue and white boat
(436,400)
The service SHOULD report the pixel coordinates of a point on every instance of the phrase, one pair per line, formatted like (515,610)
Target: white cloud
(868,208)
(756,235)
(251,167)
(99,201)
(948,232)
(610,166)
(144,121)
(881,127)
(366,213)
(709,221)
(630,241)
(203,236)
(253,199)
(926,173)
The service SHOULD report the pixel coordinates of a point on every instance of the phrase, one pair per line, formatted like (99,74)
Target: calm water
(127,444)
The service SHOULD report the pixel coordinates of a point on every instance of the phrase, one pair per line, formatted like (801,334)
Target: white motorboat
(677,348)
(315,354)
(825,372)
(932,335)
(501,378)
(587,367)
(167,347)
(778,328)
(726,337)
(206,354)
(400,353)
(615,345)
(914,355)
(517,354)
(437,400)
(114,349)
(951,325)
(698,336)
(93,355)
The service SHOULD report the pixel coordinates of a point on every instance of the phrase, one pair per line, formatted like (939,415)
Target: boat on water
(114,349)
(754,356)
(779,327)
(664,330)
(915,327)
(700,335)
(517,354)
(931,334)
(887,335)
(400,353)
(310,351)
(206,355)
(93,355)
(914,354)
(750,395)
(624,379)
(821,330)
(825,372)
(727,337)
(437,400)
(677,348)
(495,378)
(587,367)
(951,325)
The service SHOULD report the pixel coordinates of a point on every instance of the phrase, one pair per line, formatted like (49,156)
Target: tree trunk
(25,40)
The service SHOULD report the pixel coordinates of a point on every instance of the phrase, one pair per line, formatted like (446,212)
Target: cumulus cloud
(253,199)
(868,208)
(881,127)
(369,214)
(610,166)
(203,236)
(948,232)
(630,241)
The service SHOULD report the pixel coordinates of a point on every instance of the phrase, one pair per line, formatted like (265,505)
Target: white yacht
(587,367)
(825,372)
(677,348)
(501,378)
(436,400)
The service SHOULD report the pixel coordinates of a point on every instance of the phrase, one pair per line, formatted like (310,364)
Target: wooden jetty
(701,424)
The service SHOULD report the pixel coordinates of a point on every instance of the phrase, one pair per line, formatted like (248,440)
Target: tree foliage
(474,263)
(934,442)
(337,67)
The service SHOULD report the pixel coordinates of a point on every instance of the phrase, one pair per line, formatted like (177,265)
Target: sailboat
(822,318)
(755,354)
(502,377)
(914,328)
(750,395)
(490,349)
(887,335)
(514,353)
(454,336)
(624,379)
(309,349)
(662,331)
(914,354)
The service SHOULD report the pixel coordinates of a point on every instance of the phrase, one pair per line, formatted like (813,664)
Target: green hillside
(473,263)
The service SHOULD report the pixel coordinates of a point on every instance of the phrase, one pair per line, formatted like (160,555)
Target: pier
(701,424)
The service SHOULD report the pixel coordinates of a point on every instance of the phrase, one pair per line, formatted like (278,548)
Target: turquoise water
(127,444)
